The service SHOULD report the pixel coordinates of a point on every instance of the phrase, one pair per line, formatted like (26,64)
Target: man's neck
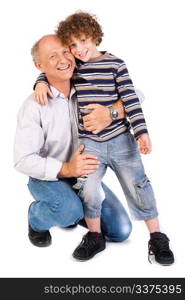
(62,86)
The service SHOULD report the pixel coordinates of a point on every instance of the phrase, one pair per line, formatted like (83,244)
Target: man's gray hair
(35,48)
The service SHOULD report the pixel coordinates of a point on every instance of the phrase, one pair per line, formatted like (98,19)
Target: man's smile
(65,67)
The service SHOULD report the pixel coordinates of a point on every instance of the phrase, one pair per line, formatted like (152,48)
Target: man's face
(55,60)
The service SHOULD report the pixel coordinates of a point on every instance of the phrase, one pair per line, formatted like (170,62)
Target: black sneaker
(158,246)
(39,239)
(91,244)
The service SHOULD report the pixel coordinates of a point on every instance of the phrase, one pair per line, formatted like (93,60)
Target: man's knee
(122,234)
(56,203)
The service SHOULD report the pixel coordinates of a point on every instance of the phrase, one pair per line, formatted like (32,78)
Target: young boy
(102,78)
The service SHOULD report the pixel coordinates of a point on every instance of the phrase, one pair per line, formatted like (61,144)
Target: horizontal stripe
(104,81)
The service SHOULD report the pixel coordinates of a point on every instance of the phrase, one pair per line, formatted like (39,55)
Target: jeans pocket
(145,194)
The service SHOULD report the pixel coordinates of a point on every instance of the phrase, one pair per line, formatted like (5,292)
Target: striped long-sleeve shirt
(103,81)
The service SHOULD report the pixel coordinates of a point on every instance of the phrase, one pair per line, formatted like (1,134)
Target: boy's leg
(92,196)
(115,222)
(91,191)
(115,225)
(56,204)
(129,169)
(153,225)
(127,165)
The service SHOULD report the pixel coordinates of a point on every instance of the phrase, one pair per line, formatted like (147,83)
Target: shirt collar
(58,94)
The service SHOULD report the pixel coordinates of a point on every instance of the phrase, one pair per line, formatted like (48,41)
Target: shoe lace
(161,243)
(88,243)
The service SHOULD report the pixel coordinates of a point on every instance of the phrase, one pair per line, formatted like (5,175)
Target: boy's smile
(84,48)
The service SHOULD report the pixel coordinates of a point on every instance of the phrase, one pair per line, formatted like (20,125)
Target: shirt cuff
(139,133)
(53,166)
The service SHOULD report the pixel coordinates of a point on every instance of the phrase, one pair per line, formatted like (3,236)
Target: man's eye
(72,45)
(66,52)
(83,40)
(52,56)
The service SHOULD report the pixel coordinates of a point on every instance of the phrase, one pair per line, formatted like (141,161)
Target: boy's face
(83,48)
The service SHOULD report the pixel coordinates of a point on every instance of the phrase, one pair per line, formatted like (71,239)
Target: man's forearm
(38,167)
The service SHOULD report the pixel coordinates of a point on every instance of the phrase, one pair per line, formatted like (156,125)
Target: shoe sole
(41,245)
(85,259)
(163,264)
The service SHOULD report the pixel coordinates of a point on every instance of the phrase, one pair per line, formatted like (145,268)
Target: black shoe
(39,239)
(91,244)
(158,246)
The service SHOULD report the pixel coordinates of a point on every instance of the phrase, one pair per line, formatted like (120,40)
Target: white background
(149,36)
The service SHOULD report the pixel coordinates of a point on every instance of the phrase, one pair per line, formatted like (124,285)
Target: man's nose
(62,59)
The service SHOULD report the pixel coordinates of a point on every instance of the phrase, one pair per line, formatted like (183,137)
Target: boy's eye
(83,40)
(66,51)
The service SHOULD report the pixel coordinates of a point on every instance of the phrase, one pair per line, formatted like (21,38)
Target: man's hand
(80,164)
(145,145)
(100,118)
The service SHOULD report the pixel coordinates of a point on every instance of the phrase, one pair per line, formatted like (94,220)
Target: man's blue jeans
(56,204)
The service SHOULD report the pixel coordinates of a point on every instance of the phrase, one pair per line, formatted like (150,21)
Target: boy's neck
(99,56)
(96,55)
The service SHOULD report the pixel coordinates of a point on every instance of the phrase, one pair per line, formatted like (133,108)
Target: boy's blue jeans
(121,154)
(56,204)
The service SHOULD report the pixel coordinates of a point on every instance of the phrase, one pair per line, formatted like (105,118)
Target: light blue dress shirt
(45,136)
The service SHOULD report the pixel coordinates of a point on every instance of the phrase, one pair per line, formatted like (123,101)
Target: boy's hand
(42,92)
(145,145)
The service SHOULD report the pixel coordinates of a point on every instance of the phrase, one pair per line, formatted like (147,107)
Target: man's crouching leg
(56,204)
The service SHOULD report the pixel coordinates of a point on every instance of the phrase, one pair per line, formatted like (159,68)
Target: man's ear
(38,65)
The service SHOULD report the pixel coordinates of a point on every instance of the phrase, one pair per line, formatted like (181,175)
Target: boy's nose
(79,49)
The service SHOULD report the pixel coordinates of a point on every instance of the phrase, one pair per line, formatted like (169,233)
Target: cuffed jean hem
(92,212)
(144,218)
(93,216)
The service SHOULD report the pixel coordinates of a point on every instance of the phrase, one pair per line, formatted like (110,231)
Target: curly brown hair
(78,24)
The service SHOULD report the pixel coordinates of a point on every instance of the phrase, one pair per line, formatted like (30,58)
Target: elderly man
(46,137)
